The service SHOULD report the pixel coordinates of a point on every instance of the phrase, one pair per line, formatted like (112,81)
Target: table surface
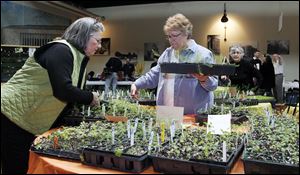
(40,164)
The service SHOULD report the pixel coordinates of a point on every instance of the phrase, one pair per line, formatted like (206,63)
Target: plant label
(224,151)
(217,124)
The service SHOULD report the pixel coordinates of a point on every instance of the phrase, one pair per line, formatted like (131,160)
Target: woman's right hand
(134,92)
(96,99)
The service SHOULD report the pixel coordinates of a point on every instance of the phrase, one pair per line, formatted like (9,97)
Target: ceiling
(111,3)
(151,8)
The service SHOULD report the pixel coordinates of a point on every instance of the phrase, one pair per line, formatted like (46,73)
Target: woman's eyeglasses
(173,36)
(98,40)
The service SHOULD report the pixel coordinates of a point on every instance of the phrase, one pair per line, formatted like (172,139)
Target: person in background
(38,93)
(267,71)
(91,75)
(128,69)
(191,91)
(256,60)
(245,73)
(113,66)
(278,70)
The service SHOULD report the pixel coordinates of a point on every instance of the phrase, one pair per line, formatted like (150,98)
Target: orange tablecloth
(45,165)
(39,164)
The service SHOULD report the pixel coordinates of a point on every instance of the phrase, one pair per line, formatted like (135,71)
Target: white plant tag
(89,111)
(113,135)
(150,141)
(224,151)
(128,129)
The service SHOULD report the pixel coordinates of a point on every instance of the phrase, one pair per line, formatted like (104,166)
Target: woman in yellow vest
(37,94)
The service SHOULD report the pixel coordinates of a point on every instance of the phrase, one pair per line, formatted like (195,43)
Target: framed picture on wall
(213,43)
(105,47)
(153,47)
(278,46)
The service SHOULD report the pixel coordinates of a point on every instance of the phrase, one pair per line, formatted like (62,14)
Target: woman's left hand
(200,77)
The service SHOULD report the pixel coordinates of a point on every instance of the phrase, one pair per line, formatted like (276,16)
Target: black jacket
(243,76)
(114,64)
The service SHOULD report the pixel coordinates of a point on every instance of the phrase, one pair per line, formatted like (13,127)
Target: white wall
(129,32)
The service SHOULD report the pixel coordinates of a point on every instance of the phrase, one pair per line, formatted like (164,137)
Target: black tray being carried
(206,69)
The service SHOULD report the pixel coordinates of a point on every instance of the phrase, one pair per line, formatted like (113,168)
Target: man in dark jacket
(128,69)
(114,65)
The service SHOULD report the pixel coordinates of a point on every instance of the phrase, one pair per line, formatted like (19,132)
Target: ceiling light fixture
(224,19)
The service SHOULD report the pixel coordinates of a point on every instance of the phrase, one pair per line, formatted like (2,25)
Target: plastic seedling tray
(267,167)
(167,165)
(57,153)
(147,102)
(77,119)
(107,159)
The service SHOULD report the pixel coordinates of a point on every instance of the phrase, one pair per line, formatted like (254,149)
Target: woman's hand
(200,77)
(134,92)
(96,100)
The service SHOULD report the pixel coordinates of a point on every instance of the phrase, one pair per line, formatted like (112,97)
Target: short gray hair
(79,32)
(236,48)
(179,22)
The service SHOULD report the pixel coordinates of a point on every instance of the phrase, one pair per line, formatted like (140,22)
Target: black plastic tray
(202,119)
(206,69)
(57,153)
(76,120)
(167,165)
(106,159)
(246,102)
(147,102)
(262,167)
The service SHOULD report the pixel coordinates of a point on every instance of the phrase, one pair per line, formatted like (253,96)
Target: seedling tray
(106,159)
(57,153)
(266,167)
(206,69)
(202,119)
(76,120)
(147,102)
(246,102)
(167,165)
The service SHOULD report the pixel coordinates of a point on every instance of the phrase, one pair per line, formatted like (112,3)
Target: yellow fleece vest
(27,98)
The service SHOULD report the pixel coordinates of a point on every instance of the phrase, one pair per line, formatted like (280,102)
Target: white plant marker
(132,137)
(224,151)
(82,109)
(135,124)
(144,130)
(103,110)
(114,110)
(89,111)
(113,135)
(150,125)
(150,141)
(128,128)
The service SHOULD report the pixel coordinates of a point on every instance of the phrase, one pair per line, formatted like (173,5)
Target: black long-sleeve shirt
(57,58)
(114,64)
(244,74)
